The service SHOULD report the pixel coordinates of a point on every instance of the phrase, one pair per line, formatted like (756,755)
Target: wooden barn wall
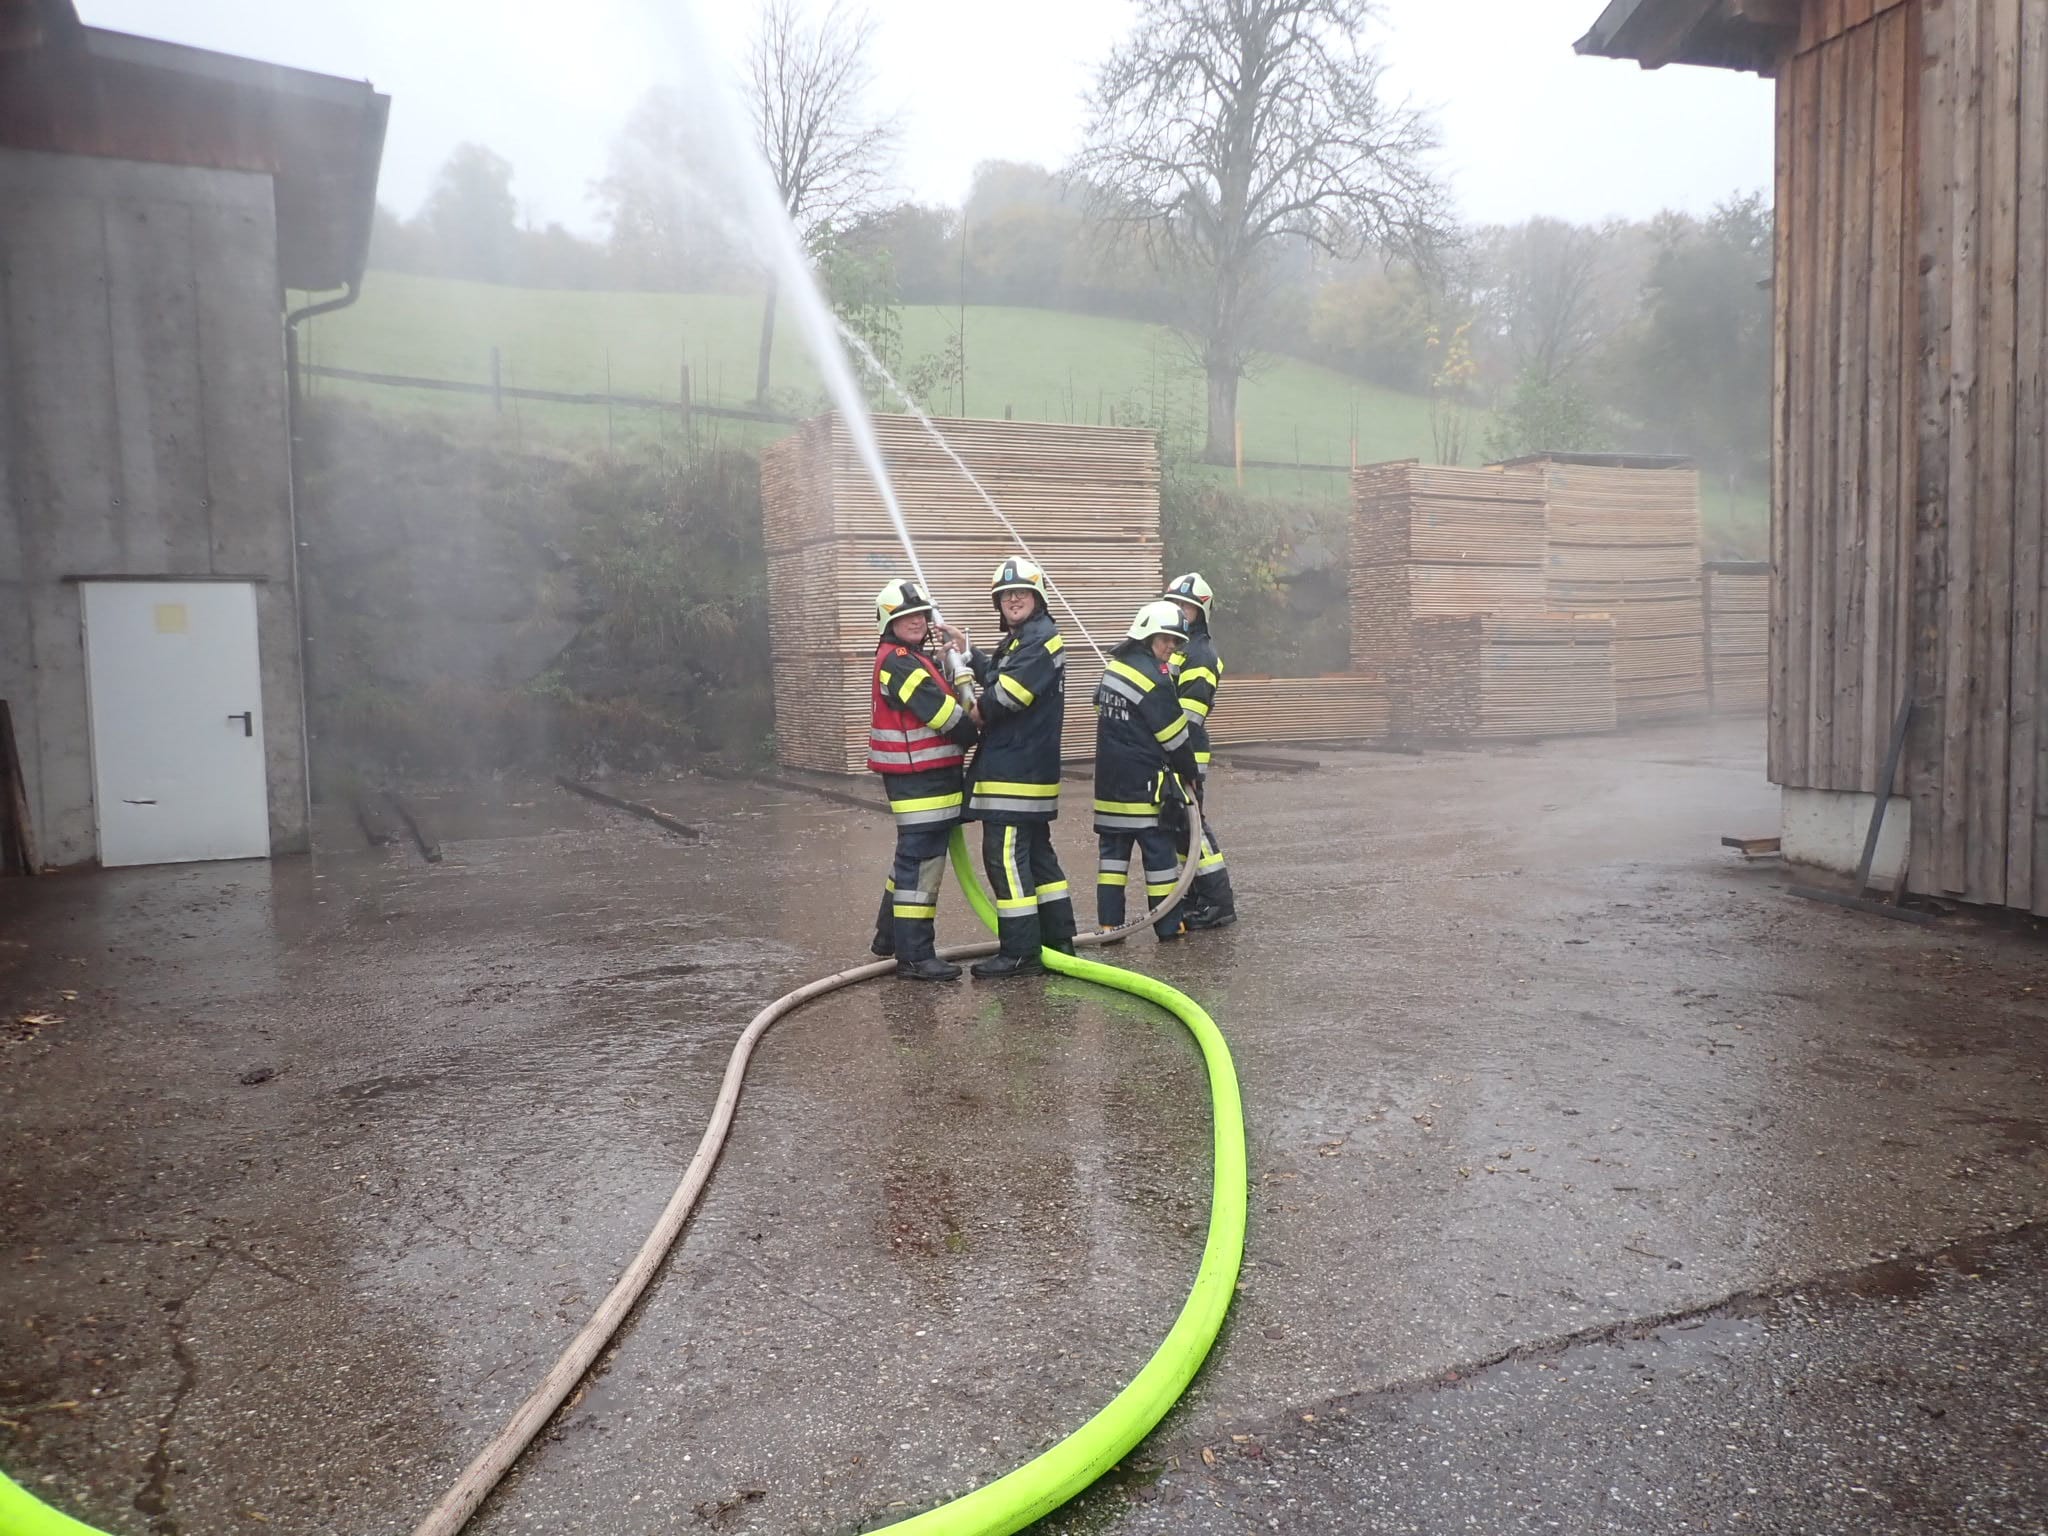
(1909,469)
(1844,432)
(1825,20)
(1978,774)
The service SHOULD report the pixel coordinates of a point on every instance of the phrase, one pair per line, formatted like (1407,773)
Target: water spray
(931,428)
(719,121)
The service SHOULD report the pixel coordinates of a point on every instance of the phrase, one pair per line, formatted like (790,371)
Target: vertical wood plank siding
(1909,462)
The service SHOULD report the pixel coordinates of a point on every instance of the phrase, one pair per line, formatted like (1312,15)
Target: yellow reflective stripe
(1168,732)
(1055,645)
(1203,672)
(910,685)
(1199,706)
(1112,879)
(1125,669)
(943,715)
(1203,757)
(913,911)
(1017,900)
(1019,791)
(1126,807)
(1177,660)
(928,803)
(1053,889)
(1017,690)
(1212,861)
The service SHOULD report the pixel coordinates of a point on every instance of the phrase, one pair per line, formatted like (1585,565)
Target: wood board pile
(1519,676)
(1432,543)
(1739,636)
(1451,598)
(1085,498)
(1624,540)
(1339,706)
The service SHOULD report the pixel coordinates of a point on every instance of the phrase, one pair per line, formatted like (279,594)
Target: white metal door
(177,720)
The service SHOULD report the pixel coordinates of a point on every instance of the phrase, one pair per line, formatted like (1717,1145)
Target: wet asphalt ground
(1598,1183)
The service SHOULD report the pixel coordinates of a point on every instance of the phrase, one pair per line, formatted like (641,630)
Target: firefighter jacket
(918,738)
(1016,773)
(1140,736)
(1198,673)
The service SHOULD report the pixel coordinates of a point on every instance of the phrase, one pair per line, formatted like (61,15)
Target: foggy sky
(1529,128)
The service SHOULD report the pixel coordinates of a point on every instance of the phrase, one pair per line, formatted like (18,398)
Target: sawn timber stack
(1085,498)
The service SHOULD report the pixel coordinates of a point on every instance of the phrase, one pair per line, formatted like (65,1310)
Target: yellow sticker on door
(171,619)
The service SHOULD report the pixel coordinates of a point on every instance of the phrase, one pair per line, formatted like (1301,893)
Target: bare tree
(1232,130)
(806,85)
(1548,290)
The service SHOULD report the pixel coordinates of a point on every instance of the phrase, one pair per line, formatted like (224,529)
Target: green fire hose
(1011,1501)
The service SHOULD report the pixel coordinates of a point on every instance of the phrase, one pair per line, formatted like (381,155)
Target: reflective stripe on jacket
(1140,735)
(918,725)
(1198,673)
(1016,773)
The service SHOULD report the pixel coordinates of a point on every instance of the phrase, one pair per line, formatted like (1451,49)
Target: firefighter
(1013,789)
(1198,674)
(1144,750)
(918,743)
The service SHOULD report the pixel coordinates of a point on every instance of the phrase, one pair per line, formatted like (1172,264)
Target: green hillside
(1037,364)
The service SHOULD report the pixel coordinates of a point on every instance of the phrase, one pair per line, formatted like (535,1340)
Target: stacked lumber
(1430,543)
(1508,678)
(1623,539)
(1548,676)
(1085,498)
(1451,597)
(1738,636)
(1338,706)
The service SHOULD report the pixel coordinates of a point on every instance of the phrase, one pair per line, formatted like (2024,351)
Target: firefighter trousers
(910,901)
(1033,907)
(1160,871)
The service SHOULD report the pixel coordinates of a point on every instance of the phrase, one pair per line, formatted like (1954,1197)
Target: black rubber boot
(1217,906)
(995,967)
(885,928)
(1056,924)
(931,968)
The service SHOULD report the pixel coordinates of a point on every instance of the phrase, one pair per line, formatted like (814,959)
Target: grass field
(1038,365)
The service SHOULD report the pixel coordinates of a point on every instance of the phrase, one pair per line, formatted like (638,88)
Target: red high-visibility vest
(898,741)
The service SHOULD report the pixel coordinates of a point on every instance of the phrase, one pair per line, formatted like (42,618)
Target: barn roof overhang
(1751,35)
(66,88)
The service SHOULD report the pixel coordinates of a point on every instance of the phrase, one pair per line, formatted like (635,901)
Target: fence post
(497,389)
(686,399)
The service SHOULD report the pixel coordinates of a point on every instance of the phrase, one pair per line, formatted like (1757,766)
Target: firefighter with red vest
(918,743)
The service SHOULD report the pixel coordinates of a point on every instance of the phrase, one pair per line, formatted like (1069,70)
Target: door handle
(247,717)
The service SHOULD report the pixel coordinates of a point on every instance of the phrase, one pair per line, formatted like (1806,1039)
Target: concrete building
(1910,462)
(156,204)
